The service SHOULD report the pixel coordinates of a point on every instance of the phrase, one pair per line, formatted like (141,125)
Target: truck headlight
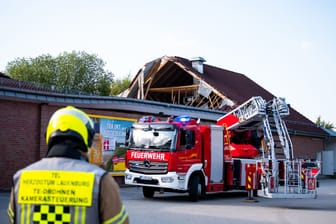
(128,176)
(181,177)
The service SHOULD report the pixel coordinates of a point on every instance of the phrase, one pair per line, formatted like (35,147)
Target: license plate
(145,178)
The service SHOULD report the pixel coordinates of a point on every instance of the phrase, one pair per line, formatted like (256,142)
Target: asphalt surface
(229,207)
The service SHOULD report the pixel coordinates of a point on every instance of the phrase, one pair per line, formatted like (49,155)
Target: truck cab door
(188,150)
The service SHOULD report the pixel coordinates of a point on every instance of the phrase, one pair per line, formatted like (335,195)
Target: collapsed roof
(177,80)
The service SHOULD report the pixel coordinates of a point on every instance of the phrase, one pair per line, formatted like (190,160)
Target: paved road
(229,208)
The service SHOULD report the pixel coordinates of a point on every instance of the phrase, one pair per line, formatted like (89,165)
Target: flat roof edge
(109,102)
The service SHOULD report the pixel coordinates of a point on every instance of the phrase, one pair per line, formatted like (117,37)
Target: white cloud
(306,44)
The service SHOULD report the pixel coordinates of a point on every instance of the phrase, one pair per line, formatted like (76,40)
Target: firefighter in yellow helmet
(64,187)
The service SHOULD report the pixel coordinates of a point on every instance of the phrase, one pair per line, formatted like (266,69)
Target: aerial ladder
(282,176)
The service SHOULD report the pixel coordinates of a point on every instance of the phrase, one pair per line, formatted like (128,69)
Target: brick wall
(306,147)
(22,134)
(19,140)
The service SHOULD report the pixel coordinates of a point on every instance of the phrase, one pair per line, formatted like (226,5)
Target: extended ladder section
(282,175)
(276,133)
(247,116)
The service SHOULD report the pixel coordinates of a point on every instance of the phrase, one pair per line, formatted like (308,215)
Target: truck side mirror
(127,136)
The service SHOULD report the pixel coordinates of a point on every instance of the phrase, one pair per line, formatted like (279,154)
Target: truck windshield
(161,137)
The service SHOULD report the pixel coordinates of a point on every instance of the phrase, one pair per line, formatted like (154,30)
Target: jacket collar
(64,150)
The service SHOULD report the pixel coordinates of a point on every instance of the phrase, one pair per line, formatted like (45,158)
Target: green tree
(73,72)
(324,124)
(120,85)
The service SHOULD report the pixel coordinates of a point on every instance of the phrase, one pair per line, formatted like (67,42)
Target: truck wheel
(195,188)
(148,192)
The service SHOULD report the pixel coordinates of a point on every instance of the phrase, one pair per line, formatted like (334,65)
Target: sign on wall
(108,149)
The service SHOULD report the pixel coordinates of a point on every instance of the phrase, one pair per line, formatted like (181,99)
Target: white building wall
(330,156)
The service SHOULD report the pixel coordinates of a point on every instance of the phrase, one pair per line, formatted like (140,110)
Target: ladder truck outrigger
(248,149)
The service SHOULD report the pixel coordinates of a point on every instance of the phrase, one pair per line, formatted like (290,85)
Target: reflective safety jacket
(58,190)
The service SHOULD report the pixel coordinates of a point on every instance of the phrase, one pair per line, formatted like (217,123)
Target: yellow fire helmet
(70,122)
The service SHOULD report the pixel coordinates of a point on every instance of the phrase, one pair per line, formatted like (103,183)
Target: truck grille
(148,167)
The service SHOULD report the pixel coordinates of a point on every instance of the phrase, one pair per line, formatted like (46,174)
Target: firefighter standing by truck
(64,187)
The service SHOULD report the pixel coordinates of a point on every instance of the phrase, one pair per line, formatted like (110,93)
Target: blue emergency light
(182,118)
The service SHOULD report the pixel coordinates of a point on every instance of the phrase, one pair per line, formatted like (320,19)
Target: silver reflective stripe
(25,214)
(10,213)
(119,218)
(80,215)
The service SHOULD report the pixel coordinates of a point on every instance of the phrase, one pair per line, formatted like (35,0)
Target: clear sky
(286,46)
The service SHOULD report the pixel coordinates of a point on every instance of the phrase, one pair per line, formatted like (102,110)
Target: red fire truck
(181,155)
